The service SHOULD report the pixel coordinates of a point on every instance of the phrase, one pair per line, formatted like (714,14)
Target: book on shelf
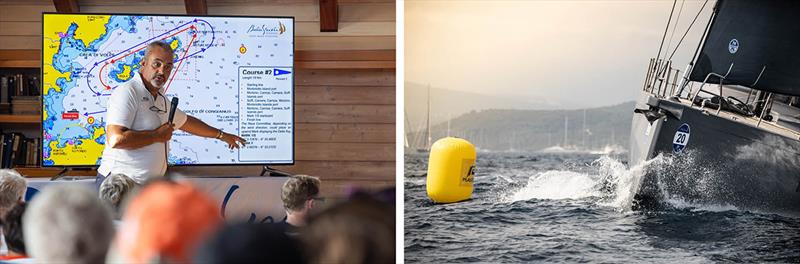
(22,89)
(25,105)
(19,151)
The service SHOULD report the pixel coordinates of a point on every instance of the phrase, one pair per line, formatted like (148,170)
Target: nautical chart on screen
(234,73)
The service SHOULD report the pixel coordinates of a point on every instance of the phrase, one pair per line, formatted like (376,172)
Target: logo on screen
(265,30)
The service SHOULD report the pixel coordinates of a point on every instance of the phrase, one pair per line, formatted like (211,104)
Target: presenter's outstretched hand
(233,141)
(164,132)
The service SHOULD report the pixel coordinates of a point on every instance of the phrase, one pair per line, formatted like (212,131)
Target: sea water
(576,207)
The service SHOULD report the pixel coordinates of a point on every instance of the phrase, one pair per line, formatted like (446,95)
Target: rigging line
(675,27)
(666,29)
(687,30)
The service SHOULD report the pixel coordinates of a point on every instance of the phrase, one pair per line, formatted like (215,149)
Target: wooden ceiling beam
(328,15)
(66,6)
(196,7)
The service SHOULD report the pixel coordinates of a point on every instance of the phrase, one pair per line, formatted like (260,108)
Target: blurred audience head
(299,194)
(360,230)
(250,243)
(67,224)
(114,190)
(12,229)
(12,189)
(165,223)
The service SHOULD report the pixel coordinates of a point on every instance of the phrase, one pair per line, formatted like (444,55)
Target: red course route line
(100,73)
(101,76)
(181,62)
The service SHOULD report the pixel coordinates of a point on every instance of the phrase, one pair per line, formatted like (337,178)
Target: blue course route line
(87,114)
(213,37)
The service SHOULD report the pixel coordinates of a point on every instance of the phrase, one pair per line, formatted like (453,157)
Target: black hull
(724,162)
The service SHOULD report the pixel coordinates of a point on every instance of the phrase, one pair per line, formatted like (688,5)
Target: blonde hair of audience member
(67,224)
(298,194)
(12,189)
(114,189)
(357,231)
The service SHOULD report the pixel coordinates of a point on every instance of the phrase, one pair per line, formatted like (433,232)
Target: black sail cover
(751,35)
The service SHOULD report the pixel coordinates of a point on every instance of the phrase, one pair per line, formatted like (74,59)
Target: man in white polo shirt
(137,124)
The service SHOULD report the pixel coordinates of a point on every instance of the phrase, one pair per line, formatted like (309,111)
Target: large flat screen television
(234,73)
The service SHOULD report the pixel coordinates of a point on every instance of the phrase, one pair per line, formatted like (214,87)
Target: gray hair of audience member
(67,224)
(114,189)
(12,189)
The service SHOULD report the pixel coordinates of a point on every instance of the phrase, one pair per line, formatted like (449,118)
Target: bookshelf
(26,62)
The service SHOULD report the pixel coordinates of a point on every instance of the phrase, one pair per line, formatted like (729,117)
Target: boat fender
(451,170)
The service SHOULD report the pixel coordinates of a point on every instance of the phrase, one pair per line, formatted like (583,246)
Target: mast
(566,129)
(480,138)
(613,136)
(685,80)
(511,142)
(583,132)
(428,120)
(448,124)
(408,127)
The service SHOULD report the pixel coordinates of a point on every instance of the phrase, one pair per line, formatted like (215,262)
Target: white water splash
(556,185)
(614,183)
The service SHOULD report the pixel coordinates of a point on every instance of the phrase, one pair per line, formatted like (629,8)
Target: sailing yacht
(729,128)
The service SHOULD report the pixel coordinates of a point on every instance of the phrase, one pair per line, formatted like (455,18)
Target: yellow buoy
(451,168)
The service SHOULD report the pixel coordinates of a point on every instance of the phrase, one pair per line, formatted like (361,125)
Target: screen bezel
(294,90)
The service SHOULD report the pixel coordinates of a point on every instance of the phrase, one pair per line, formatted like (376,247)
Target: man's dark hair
(250,243)
(12,228)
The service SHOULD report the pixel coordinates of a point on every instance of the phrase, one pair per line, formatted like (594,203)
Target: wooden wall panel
(20,28)
(344,95)
(344,133)
(21,42)
(345,43)
(346,78)
(345,151)
(383,114)
(23,13)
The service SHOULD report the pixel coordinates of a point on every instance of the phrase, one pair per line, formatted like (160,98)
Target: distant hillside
(446,104)
(532,130)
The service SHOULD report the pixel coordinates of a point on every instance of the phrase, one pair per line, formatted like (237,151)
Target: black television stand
(273,172)
(66,170)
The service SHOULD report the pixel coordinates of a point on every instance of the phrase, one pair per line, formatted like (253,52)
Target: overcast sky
(584,53)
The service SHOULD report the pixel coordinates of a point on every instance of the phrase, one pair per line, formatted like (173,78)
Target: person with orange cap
(165,223)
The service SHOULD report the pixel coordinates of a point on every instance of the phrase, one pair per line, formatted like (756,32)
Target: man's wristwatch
(220,134)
